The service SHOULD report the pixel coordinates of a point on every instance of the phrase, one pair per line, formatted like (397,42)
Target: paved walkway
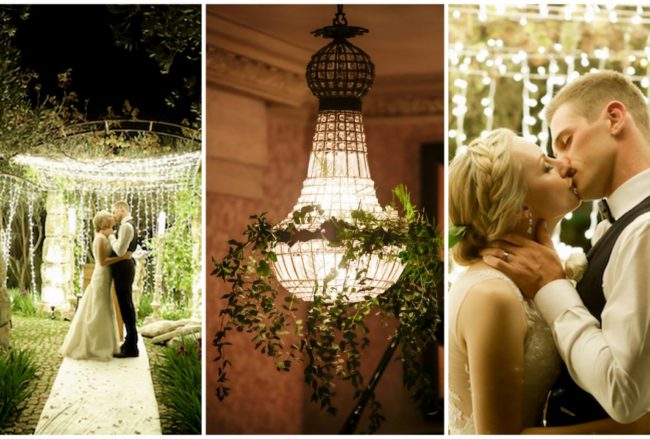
(44,337)
(102,397)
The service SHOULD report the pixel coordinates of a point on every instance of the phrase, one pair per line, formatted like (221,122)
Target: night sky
(57,37)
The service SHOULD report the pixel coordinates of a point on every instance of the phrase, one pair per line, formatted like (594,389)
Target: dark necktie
(603,207)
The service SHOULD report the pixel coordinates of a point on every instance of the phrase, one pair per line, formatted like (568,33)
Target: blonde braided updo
(487,191)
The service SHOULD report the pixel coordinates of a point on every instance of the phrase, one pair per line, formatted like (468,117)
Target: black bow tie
(605,212)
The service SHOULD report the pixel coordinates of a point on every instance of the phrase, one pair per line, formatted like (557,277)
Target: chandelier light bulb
(338,181)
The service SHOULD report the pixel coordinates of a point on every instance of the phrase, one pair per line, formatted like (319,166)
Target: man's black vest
(567,402)
(134,241)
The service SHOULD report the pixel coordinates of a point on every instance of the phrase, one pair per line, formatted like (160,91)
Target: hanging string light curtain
(92,175)
(150,185)
(577,38)
(499,52)
(338,178)
(14,190)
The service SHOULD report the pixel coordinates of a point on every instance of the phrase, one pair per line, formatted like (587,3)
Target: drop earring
(530,223)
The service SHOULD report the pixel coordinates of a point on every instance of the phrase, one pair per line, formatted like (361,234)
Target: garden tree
(26,126)
(170,35)
(19,268)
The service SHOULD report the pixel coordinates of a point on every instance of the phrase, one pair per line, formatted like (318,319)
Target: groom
(123,273)
(601,136)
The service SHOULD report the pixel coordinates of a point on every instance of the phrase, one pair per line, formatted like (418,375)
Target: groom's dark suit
(568,403)
(123,274)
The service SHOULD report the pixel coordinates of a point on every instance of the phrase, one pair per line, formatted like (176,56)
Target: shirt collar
(629,194)
(126,218)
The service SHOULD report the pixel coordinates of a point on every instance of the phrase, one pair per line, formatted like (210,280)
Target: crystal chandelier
(338,180)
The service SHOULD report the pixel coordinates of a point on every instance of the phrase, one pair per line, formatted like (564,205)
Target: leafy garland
(334,333)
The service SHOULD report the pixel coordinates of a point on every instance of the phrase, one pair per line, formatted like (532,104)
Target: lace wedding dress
(541,360)
(93,332)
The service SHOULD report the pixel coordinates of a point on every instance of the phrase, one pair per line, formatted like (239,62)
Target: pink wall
(263,400)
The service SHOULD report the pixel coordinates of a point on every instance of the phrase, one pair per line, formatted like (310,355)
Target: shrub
(179,372)
(174,313)
(22,303)
(17,369)
(144,307)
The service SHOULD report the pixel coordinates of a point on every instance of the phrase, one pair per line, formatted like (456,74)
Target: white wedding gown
(93,332)
(541,360)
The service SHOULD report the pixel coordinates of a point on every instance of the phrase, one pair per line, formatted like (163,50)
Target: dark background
(57,37)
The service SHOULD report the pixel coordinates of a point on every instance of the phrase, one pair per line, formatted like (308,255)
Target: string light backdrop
(14,190)
(507,61)
(152,186)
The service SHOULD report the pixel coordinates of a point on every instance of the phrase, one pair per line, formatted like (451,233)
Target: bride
(93,332)
(502,358)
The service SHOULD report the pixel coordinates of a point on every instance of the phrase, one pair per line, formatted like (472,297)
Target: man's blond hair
(122,205)
(487,191)
(590,93)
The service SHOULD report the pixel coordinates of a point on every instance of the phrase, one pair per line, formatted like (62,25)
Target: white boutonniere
(575,266)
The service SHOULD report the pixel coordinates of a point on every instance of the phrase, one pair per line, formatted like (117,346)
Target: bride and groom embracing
(93,333)
(514,317)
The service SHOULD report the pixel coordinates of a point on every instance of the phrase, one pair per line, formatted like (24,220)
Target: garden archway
(154,166)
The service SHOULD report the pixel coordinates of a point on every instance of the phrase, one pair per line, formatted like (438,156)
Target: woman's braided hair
(487,191)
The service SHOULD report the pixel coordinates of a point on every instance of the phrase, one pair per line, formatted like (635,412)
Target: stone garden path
(95,397)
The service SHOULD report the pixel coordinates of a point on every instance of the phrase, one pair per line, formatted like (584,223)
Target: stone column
(57,268)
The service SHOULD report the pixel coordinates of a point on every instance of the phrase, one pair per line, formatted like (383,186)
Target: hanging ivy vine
(331,339)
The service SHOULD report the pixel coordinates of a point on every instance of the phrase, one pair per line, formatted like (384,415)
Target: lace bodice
(541,360)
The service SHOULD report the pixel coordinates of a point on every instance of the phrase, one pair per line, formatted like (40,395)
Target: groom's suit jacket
(602,330)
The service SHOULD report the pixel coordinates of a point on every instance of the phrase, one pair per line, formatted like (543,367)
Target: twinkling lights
(92,174)
(150,185)
(479,71)
(30,222)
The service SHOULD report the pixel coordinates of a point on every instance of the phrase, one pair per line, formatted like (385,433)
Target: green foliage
(335,332)
(26,126)
(169,35)
(179,267)
(22,303)
(174,312)
(144,307)
(17,370)
(179,372)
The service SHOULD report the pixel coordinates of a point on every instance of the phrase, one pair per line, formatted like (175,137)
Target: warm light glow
(72,220)
(53,295)
(338,180)
(162,219)
(147,173)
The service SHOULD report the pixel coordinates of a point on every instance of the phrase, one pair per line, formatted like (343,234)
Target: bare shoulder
(493,305)
(494,293)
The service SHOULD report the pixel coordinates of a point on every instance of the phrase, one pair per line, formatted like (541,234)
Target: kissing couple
(528,351)
(93,333)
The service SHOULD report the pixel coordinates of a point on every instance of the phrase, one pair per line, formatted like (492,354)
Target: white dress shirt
(120,245)
(613,362)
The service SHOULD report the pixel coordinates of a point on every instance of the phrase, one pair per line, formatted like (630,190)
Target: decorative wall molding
(403,105)
(406,95)
(256,78)
(248,61)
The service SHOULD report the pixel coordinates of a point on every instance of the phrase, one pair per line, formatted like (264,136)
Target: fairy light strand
(540,70)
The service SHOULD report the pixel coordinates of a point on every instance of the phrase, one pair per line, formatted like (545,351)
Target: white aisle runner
(97,397)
